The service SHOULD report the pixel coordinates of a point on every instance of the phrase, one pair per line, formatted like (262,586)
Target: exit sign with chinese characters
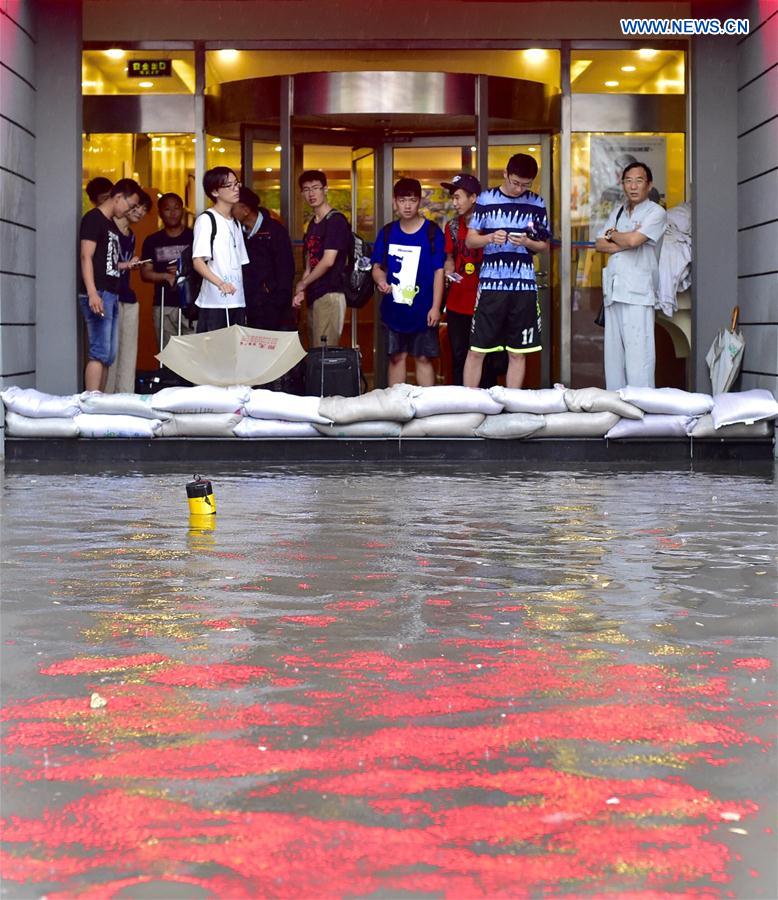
(149,68)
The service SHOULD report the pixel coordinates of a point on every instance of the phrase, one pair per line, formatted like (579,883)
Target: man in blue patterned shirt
(510,223)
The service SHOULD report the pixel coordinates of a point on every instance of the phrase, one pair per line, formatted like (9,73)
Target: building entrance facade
(272,115)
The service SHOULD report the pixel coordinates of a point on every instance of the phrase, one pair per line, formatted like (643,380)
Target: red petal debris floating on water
(756,663)
(485,767)
(311,621)
(355,605)
(92,664)
(207,676)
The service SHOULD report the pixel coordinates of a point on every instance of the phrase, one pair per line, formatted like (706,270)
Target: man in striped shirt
(510,224)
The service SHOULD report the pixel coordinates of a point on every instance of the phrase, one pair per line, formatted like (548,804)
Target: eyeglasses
(230,185)
(313,189)
(524,185)
(634,182)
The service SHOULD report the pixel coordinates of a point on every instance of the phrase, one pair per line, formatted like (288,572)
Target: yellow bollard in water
(200,495)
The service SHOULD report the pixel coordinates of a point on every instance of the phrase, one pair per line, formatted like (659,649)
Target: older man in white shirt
(632,237)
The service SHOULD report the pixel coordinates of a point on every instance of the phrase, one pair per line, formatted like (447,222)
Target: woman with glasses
(219,253)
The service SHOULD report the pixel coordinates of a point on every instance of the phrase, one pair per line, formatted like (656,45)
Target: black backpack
(358,285)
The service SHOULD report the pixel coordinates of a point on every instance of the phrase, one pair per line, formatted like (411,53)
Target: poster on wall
(609,155)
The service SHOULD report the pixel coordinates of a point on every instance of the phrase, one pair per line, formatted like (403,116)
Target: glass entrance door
(360,179)
(434,160)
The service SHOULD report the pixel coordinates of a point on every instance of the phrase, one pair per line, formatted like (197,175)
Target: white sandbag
(97,403)
(374,429)
(264,404)
(200,425)
(446,425)
(575,425)
(92,426)
(390,404)
(651,426)
(451,398)
(594,399)
(37,405)
(703,428)
(667,401)
(27,426)
(508,426)
(274,428)
(541,402)
(746,407)
(203,398)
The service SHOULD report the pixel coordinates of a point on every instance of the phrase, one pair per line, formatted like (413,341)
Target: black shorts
(416,343)
(506,320)
(210,319)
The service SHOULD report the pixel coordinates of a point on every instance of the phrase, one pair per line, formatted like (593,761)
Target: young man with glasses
(510,224)
(326,247)
(99,278)
(631,237)
(219,254)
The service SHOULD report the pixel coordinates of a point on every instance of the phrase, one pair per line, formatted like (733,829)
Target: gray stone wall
(757,199)
(17,193)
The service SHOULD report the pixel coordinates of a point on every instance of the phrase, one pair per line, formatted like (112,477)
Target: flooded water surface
(390,683)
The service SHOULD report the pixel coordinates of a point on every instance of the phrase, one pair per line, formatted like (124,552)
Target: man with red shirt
(461,273)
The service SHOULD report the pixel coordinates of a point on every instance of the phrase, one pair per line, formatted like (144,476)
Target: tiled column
(17,193)
(58,193)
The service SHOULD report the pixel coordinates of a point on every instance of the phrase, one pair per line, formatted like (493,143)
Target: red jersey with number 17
(467,263)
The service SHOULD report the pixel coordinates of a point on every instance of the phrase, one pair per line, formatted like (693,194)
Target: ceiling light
(228,55)
(216,140)
(278,148)
(268,169)
(146,84)
(647,53)
(221,150)
(532,149)
(611,84)
(474,148)
(114,53)
(88,84)
(535,55)
(194,140)
(628,68)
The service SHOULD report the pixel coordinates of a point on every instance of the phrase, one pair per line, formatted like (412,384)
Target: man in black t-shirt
(98,285)
(326,249)
(170,252)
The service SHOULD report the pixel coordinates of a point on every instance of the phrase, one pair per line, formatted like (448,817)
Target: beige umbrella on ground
(234,355)
(726,356)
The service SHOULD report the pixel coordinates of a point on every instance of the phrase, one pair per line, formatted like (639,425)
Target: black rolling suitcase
(332,371)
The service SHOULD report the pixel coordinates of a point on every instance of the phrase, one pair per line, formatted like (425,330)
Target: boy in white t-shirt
(219,253)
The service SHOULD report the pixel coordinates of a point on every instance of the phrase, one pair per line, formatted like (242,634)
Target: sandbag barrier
(402,411)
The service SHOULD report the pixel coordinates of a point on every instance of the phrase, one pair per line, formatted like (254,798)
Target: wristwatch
(608,233)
